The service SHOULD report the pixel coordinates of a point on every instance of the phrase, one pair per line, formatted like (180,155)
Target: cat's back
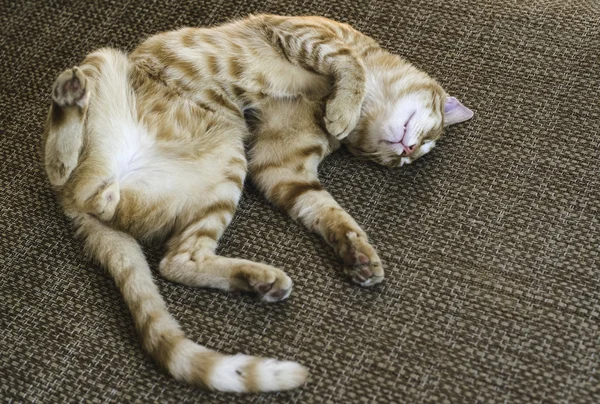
(235,61)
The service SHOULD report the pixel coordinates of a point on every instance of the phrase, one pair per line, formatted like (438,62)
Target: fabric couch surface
(491,242)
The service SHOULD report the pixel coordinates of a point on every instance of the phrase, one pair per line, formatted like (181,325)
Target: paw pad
(361,262)
(70,88)
(270,283)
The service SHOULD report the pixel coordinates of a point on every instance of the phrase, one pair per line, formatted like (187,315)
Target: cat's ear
(455,112)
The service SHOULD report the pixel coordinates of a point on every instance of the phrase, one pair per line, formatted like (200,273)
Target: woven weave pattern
(491,242)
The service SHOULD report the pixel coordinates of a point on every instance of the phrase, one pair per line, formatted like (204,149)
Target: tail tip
(286,375)
(242,374)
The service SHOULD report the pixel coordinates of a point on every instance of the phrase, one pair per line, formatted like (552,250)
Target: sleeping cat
(151,145)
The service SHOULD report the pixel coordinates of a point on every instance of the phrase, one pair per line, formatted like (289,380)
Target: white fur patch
(226,374)
(405,160)
(426,147)
(273,375)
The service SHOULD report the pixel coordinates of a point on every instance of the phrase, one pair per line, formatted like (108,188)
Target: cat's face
(399,132)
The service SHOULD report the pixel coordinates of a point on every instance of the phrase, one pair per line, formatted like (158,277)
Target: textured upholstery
(491,242)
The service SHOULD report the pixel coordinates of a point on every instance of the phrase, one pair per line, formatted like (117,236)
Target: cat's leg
(285,153)
(109,120)
(191,261)
(191,258)
(64,130)
(318,45)
(64,140)
(67,131)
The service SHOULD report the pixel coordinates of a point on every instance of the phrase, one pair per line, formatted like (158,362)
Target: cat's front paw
(70,89)
(342,114)
(361,262)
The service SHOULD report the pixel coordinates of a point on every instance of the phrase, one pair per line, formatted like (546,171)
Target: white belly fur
(131,155)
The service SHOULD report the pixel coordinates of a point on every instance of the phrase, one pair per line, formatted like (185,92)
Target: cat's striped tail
(162,336)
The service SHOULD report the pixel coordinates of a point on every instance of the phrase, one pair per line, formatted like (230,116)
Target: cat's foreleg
(283,163)
(304,199)
(309,43)
(64,126)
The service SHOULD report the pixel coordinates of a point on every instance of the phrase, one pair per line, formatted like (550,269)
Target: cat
(151,145)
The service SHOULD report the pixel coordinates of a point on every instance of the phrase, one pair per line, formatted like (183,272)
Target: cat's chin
(404,160)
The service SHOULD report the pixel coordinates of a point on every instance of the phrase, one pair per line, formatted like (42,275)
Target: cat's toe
(106,201)
(271,284)
(70,88)
(341,118)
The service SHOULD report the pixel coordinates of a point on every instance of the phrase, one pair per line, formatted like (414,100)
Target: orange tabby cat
(151,145)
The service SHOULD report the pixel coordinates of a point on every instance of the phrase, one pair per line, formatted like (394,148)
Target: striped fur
(152,145)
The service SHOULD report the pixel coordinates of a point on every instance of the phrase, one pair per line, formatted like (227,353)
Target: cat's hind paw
(270,283)
(70,88)
(105,202)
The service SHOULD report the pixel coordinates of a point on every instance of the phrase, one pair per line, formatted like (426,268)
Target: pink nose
(409,149)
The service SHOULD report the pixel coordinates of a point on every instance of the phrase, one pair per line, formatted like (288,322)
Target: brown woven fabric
(491,243)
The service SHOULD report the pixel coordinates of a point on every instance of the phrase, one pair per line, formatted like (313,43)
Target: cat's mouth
(397,136)
(396,133)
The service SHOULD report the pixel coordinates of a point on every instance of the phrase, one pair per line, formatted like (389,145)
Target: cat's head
(403,116)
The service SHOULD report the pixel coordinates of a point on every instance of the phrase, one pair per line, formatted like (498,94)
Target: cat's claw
(361,262)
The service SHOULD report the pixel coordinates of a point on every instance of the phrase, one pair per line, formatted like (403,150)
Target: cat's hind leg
(191,258)
(64,129)
(101,130)
(205,269)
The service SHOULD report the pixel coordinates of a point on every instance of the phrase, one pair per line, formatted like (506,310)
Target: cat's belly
(161,190)
(162,185)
